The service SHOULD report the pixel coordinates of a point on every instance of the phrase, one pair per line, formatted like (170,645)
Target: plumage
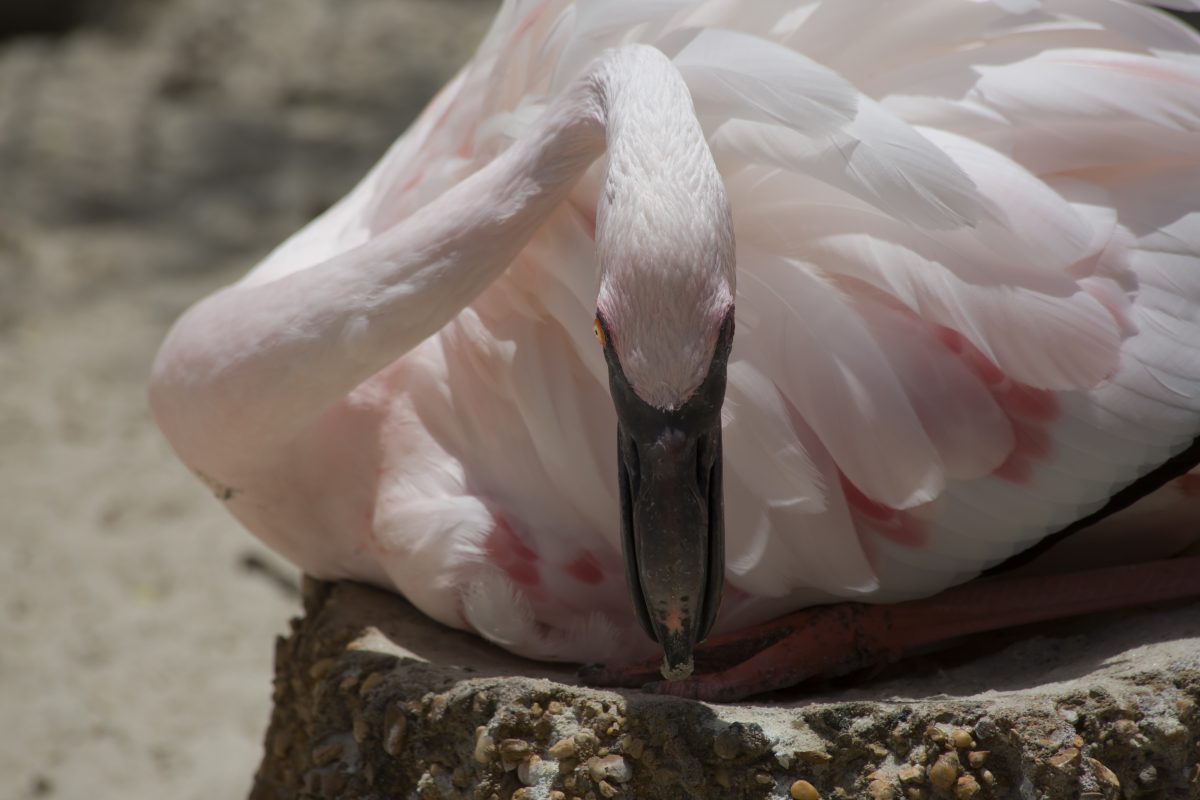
(967,299)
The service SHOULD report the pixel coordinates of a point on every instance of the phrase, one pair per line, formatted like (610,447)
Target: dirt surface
(150,152)
(375,700)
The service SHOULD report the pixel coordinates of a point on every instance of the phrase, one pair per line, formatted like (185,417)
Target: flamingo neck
(664,232)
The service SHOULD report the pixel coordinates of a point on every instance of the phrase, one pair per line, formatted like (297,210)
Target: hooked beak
(672,512)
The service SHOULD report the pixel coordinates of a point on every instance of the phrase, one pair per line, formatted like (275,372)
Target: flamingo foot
(833,640)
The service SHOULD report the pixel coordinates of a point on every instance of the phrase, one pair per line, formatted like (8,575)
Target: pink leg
(833,640)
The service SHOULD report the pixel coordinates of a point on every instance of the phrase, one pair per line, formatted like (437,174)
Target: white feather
(734,75)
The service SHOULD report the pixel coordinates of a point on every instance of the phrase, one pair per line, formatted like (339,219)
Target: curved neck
(299,343)
(632,101)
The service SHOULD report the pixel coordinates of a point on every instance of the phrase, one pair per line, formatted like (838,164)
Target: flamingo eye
(598,329)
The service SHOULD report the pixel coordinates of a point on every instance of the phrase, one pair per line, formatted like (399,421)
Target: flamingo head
(665,321)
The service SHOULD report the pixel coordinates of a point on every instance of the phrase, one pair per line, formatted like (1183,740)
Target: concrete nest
(373,700)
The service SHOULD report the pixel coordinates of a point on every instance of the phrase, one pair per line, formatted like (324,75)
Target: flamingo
(959,241)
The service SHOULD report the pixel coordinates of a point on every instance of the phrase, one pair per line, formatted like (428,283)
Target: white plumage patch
(500,613)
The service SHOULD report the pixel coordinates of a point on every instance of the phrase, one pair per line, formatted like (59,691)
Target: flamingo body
(968,314)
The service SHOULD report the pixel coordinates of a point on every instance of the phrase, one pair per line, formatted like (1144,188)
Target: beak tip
(678,662)
(679,671)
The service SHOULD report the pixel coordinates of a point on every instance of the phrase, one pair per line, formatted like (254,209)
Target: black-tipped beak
(672,512)
(673,535)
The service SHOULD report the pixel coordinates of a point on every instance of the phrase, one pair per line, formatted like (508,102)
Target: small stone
(554,707)
(1125,727)
(813,756)
(485,747)
(987,777)
(976,758)
(521,794)
(961,739)
(986,728)
(915,793)
(543,729)
(881,789)
(1077,741)
(327,753)
(965,788)
(563,748)
(763,779)
(911,774)
(607,789)
(728,744)
(612,767)
(1065,759)
(633,746)
(1148,776)
(557,795)
(878,750)
(536,710)
(395,728)
(1103,773)
(944,771)
(527,770)
(373,680)
(437,707)
(513,752)
(321,668)
(360,729)
(934,734)
(803,790)
(280,746)
(349,682)
(586,743)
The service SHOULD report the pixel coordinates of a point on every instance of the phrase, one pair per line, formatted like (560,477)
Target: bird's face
(672,518)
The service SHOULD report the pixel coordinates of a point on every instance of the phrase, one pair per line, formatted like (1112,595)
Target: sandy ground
(146,159)
(136,655)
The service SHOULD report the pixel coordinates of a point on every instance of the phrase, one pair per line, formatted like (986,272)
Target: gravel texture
(373,700)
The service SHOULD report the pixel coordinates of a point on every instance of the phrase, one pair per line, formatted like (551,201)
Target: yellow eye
(599,331)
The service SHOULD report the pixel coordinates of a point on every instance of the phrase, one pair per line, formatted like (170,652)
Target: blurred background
(151,151)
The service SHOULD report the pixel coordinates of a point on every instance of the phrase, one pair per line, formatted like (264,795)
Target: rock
(944,772)
(803,790)
(473,711)
(961,739)
(966,788)
(611,767)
